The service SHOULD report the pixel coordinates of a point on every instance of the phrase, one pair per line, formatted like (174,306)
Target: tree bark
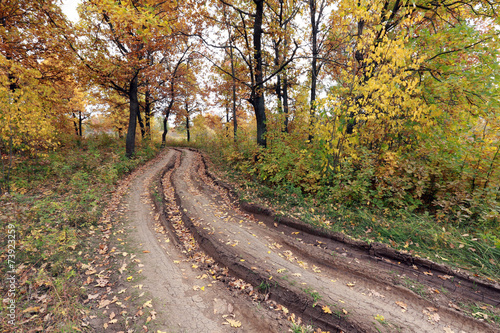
(165,124)
(165,129)
(147,113)
(141,123)
(314,62)
(258,91)
(285,101)
(132,124)
(187,129)
(233,74)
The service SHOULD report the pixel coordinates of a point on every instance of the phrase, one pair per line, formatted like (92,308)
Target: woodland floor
(181,254)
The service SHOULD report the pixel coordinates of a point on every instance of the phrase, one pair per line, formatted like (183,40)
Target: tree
(283,12)
(30,52)
(118,37)
(247,42)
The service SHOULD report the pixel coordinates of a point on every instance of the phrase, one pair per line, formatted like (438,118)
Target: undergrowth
(55,201)
(292,186)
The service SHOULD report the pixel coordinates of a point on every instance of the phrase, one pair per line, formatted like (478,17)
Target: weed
(415,286)
(297,328)
(313,293)
(481,311)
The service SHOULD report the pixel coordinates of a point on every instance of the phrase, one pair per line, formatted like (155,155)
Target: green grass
(420,234)
(313,293)
(55,203)
(484,312)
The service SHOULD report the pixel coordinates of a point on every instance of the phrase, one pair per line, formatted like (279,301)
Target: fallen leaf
(326,309)
(351,284)
(103,303)
(234,323)
(402,305)
(32,309)
(94,296)
(434,317)
(101,282)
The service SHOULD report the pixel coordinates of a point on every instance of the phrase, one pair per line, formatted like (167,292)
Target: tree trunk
(258,91)
(233,74)
(132,123)
(314,63)
(141,123)
(165,122)
(80,123)
(147,114)
(285,101)
(165,128)
(75,123)
(187,129)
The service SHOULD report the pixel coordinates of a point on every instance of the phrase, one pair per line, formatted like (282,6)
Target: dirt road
(214,267)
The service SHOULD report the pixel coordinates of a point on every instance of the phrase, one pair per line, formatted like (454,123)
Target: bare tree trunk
(258,90)
(147,114)
(314,63)
(132,124)
(285,101)
(141,123)
(80,123)
(235,121)
(165,122)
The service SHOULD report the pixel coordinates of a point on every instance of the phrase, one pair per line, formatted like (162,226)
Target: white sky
(69,9)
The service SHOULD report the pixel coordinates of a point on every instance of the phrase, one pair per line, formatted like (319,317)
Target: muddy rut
(223,253)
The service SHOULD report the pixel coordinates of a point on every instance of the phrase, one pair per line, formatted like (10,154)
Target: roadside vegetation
(356,200)
(55,203)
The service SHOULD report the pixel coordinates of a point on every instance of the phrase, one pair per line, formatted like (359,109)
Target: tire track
(303,277)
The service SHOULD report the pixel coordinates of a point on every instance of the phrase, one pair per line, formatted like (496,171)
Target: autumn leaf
(402,305)
(326,309)
(32,309)
(233,323)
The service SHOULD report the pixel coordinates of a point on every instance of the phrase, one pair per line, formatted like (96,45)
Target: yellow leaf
(326,309)
(234,323)
(32,309)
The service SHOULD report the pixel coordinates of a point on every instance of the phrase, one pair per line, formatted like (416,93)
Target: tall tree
(249,28)
(118,37)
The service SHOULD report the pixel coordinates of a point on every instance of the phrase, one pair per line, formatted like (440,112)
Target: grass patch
(481,311)
(421,234)
(55,204)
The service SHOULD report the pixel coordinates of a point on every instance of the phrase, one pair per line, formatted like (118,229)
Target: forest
(378,119)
